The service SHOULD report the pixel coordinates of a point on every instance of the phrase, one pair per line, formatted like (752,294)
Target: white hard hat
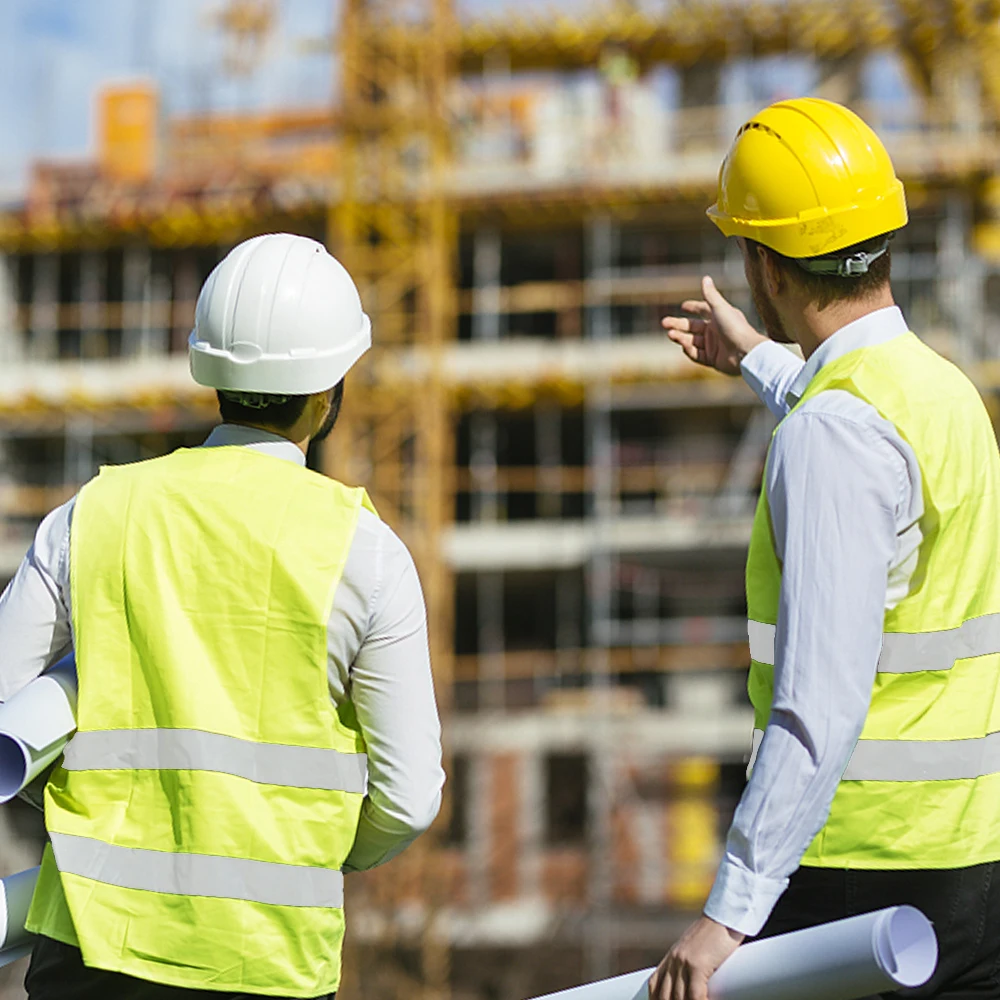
(278,315)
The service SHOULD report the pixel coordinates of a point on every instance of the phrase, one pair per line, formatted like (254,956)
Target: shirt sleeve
(393,694)
(770,369)
(35,607)
(834,486)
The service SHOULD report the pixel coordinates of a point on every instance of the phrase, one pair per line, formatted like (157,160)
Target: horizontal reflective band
(908,652)
(924,760)
(198,874)
(761,641)
(196,750)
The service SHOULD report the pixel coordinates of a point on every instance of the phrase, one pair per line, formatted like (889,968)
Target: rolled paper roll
(871,953)
(35,726)
(844,960)
(15,899)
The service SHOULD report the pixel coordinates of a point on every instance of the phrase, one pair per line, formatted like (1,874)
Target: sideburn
(773,326)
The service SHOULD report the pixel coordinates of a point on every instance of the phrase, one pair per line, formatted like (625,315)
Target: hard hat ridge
(277,316)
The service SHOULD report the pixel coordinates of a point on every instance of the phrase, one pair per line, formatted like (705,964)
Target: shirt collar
(872,329)
(256,439)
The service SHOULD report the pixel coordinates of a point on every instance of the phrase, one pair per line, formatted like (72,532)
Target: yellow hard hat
(806,178)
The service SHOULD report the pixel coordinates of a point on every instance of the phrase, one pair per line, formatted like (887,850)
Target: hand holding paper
(685,972)
(852,958)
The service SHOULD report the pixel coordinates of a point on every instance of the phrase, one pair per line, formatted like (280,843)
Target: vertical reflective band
(908,652)
(761,641)
(196,750)
(198,874)
(924,760)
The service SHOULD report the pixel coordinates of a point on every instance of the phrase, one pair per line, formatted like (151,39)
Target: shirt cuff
(741,900)
(769,369)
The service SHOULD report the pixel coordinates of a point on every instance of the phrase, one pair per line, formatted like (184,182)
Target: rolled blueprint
(35,726)
(844,960)
(16,898)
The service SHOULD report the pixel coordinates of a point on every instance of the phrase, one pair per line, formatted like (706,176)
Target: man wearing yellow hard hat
(873,577)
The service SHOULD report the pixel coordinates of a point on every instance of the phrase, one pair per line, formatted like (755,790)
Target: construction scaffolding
(520,200)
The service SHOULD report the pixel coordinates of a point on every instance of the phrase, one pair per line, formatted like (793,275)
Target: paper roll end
(907,947)
(15,765)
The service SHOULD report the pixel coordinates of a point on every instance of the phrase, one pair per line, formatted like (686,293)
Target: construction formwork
(520,201)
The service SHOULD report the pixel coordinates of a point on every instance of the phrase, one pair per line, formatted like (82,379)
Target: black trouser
(57,972)
(962,903)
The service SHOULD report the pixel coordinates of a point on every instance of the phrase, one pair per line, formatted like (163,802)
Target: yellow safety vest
(212,792)
(922,789)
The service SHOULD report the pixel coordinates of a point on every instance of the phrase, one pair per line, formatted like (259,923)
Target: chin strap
(843,267)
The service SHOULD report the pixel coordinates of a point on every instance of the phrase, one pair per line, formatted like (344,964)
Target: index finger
(698,306)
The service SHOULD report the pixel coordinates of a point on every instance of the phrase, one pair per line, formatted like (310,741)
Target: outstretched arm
(718,335)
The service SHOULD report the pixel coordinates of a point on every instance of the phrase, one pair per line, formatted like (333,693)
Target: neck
(289,434)
(814,325)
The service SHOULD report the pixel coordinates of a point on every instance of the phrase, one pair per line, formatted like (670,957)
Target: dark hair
(827,288)
(280,412)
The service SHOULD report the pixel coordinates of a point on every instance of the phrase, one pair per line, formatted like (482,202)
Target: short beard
(768,314)
(331,418)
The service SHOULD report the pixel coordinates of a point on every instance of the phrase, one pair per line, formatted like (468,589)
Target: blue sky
(54,54)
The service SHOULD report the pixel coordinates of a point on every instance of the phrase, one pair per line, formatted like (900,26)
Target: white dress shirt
(377,656)
(845,496)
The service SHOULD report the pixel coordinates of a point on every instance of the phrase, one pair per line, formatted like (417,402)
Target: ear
(321,403)
(774,278)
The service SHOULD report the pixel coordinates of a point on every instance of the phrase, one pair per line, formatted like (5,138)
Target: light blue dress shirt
(845,496)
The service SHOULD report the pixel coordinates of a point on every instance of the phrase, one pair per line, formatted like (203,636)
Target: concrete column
(602,247)
(602,945)
(78,457)
(961,279)
(11,340)
(93,342)
(489,615)
(486,326)
(185,296)
(648,828)
(479,843)
(135,295)
(548,448)
(531,824)
(44,321)
(154,338)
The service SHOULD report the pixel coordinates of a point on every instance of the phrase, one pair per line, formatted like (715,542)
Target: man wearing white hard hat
(256,714)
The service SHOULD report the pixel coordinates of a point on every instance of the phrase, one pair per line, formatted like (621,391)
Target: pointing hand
(717,335)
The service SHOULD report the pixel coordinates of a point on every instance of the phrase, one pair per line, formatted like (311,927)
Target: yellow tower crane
(393,228)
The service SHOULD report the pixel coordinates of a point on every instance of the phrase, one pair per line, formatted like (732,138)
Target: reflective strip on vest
(924,760)
(761,641)
(908,652)
(198,874)
(197,750)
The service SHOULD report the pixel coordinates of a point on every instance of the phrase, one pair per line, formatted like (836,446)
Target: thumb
(713,296)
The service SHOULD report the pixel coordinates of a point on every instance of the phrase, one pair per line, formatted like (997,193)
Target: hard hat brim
(820,231)
(300,374)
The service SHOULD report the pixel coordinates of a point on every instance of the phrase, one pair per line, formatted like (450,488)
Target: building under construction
(520,200)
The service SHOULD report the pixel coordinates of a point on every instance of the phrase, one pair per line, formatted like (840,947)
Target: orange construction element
(127,126)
